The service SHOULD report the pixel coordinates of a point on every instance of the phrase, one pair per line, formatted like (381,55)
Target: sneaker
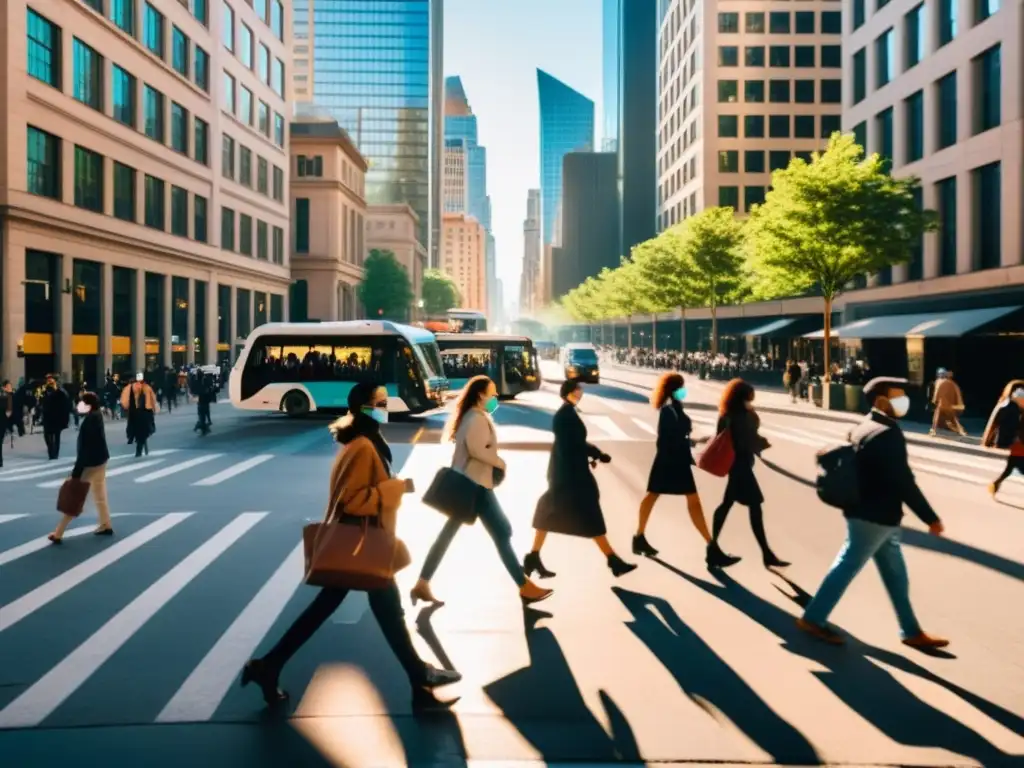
(435,678)
(924,640)
(821,633)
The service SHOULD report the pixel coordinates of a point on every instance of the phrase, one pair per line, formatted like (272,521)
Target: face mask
(491,405)
(83,408)
(379,415)
(900,406)
(1017,394)
(680,394)
(139,377)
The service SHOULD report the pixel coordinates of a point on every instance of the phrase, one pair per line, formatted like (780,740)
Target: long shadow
(852,674)
(710,682)
(544,703)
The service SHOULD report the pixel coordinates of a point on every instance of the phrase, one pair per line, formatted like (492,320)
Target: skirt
(569,514)
(671,477)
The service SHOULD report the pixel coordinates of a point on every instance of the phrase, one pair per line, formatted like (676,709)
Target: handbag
(360,555)
(453,494)
(717,459)
(71,497)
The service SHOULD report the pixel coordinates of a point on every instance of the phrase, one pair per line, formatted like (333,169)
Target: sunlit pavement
(126,651)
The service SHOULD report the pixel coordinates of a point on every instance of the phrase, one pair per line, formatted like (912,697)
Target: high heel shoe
(716,558)
(771,561)
(55,539)
(530,593)
(532,564)
(618,566)
(257,671)
(642,547)
(422,592)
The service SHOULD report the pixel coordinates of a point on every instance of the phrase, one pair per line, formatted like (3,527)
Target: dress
(572,503)
(671,472)
(742,487)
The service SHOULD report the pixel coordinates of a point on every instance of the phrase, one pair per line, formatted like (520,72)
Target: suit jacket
(365,486)
(886,479)
(476,448)
(92,444)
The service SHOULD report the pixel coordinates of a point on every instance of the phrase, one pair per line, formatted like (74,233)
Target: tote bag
(453,494)
(717,459)
(71,497)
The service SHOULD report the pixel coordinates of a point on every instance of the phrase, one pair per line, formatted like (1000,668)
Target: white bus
(509,361)
(303,367)
(466,321)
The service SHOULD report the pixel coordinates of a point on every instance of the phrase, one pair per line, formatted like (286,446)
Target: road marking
(174,469)
(419,433)
(30,602)
(232,471)
(607,402)
(202,692)
(645,426)
(9,518)
(15,553)
(23,466)
(56,686)
(66,466)
(124,470)
(607,426)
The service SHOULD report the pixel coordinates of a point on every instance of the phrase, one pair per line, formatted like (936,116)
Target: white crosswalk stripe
(605,426)
(14,553)
(64,466)
(176,468)
(117,472)
(11,518)
(234,470)
(645,427)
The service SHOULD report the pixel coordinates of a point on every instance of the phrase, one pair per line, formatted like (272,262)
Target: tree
(439,292)
(827,222)
(385,290)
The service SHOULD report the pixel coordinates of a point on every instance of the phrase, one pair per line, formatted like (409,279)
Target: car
(579,363)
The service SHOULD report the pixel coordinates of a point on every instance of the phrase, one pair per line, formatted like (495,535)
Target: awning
(948,325)
(770,328)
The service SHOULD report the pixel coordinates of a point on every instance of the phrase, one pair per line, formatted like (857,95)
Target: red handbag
(718,457)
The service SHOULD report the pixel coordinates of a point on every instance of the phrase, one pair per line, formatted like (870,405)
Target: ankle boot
(771,561)
(716,558)
(533,564)
(642,547)
(618,566)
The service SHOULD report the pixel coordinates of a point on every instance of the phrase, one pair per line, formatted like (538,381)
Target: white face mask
(83,408)
(139,377)
(1017,394)
(900,406)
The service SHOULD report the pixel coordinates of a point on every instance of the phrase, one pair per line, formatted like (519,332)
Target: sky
(496,47)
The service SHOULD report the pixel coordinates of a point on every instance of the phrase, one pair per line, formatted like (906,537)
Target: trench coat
(747,443)
(672,472)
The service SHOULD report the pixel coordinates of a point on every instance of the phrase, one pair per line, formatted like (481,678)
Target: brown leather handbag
(358,553)
(71,497)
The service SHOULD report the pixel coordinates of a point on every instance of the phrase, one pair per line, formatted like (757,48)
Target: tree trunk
(714,329)
(826,378)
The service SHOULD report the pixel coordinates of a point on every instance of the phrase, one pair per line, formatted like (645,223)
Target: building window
(778,159)
(883,128)
(728,22)
(124,87)
(859,13)
(729,161)
(778,56)
(88,75)
(778,22)
(263,64)
(244,166)
(179,211)
(278,184)
(729,197)
(179,128)
(124,192)
(262,176)
(122,13)
(946,204)
(913,118)
(245,105)
(753,161)
(803,56)
(983,9)
(860,76)
(753,91)
(988,84)
(752,196)
(947,20)
(263,119)
(947,110)
(227,157)
(728,56)
(179,51)
(154,202)
(201,142)
(301,225)
(277,19)
(728,126)
(245,46)
(199,219)
(915,267)
(831,23)
(88,180)
(753,126)
(914,30)
(803,127)
(201,12)
(753,56)
(728,91)
(804,22)
(245,234)
(228,30)
(229,93)
(278,130)
(988,203)
(227,229)
(277,247)
(830,124)
(277,78)
(860,134)
(310,166)
(153,113)
(778,126)
(261,10)
(44,60)
(754,23)
(201,73)
(261,241)
(803,91)
(153,30)
(885,58)
(778,91)
(832,56)
(831,92)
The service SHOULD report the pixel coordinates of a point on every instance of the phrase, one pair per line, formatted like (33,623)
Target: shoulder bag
(71,497)
(717,459)
(454,495)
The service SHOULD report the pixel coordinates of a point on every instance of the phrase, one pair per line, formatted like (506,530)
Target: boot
(716,558)
(533,564)
(642,547)
(530,593)
(618,566)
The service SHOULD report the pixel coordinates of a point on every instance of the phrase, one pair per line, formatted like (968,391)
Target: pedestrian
(362,470)
(207,395)
(90,465)
(791,379)
(736,413)
(6,415)
(56,415)
(476,456)
(138,401)
(572,503)
(949,403)
(885,483)
(1005,430)
(671,473)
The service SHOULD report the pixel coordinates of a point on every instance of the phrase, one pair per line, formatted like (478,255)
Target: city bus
(509,361)
(466,321)
(299,368)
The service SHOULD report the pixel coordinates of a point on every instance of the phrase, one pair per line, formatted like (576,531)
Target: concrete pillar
(190,341)
(106,356)
(209,348)
(65,314)
(166,320)
(12,323)
(233,323)
(930,265)
(139,321)
(964,222)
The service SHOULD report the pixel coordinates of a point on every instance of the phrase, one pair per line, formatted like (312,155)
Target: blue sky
(496,47)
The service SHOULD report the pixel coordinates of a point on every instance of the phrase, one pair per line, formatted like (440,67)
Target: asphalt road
(126,651)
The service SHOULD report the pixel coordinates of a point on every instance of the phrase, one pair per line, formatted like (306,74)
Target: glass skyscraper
(611,65)
(460,123)
(376,70)
(566,125)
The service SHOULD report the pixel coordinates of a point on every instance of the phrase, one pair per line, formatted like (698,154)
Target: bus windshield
(428,357)
(584,356)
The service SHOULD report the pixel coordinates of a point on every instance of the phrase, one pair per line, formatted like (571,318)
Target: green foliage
(385,290)
(439,292)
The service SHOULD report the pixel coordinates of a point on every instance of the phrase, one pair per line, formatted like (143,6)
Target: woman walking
(362,470)
(90,464)
(138,401)
(1005,430)
(572,503)
(476,456)
(736,413)
(672,473)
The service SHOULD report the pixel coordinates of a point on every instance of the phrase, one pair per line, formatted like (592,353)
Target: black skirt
(672,475)
(570,513)
(743,487)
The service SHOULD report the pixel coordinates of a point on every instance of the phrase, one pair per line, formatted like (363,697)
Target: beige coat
(365,489)
(948,396)
(147,400)
(476,448)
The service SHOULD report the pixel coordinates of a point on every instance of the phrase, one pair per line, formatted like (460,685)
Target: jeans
(497,526)
(865,541)
(1012,463)
(52,440)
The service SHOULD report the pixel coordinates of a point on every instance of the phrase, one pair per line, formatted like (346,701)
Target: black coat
(92,444)
(671,472)
(742,487)
(56,408)
(572,503)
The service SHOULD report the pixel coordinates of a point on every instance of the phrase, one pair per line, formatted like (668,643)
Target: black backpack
(838,481)
(1008,425)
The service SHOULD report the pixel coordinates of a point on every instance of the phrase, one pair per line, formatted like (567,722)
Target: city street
(126,651)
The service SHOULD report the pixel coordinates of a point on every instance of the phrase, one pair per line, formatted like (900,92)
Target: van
(579,363)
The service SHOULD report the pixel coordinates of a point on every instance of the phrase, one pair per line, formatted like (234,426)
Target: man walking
(885,484)
(56,409)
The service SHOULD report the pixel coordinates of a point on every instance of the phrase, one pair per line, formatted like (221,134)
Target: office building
(328,215)
(463,257)
(630,114)
(375,67)
(743,87)
(566,125)
(531,274)
(144,188)
(393,228)
(455,186)
(589,224)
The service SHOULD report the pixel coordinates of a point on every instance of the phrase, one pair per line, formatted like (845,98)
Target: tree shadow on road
(853,674)
(710,682)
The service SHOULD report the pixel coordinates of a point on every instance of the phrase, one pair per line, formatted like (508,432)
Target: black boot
(259,672)
(716,558)
(642,547)
(618,566)
(532,564)
(771,561)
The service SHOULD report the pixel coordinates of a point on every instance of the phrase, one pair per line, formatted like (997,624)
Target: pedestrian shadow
(854,675)
(710,682)
(544,703)
(787,474)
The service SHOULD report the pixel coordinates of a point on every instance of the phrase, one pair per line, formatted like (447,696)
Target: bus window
(518,364)
(336,360)
(463,363)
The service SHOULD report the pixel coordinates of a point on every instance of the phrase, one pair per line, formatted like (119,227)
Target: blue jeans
(497,526)
(866,541)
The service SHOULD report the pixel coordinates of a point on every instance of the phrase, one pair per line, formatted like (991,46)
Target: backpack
(838,481)
(1008,425)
